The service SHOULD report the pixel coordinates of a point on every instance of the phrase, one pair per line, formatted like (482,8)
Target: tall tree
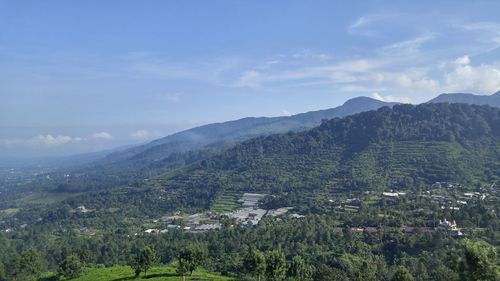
(299,270)
(254,263)
(30,265)
(70,266)
(402,274)
(144,260)
(479,263)
(275,266)
(189,259)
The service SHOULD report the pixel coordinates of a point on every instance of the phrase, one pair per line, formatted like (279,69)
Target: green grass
(163,273)
(9,212)
(44,198)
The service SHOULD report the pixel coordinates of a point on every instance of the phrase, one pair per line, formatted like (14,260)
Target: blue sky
(79,76)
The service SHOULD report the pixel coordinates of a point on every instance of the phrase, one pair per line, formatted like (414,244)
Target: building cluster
(249,215)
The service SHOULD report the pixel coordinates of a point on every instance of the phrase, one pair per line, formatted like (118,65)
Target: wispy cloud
(409,47)
(143,135)
(363,25)
(286,112)
(54,140)
(389,98)
(102,135)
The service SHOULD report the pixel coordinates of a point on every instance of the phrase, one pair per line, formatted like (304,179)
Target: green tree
(30,265)
(479,262)
(189,259)
(275,266)
(254,263)
(402,274)
(2,272)
(299,270)
(70,266)
(144,260)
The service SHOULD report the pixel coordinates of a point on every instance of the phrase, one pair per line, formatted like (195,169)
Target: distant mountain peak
(492,100)
(363,101)
(360,99)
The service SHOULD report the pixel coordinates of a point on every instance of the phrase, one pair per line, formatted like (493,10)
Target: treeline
(311,248)
(474,261)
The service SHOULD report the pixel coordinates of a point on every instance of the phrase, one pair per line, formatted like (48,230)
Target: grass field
(9,212)
(163,273)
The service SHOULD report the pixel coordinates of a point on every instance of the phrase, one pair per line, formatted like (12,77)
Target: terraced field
(226,202)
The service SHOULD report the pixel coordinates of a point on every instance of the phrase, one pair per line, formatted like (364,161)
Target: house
(152,231)
(84,229)
(353,201)
(357,229)
(449,226)
(371,229)
(81,209)
(207,227)
(390,194)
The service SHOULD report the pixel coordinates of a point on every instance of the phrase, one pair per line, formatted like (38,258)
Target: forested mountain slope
(138,163)
(242,129)
(407,146)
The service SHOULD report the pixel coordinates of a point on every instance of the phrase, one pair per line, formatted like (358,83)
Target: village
(248,212)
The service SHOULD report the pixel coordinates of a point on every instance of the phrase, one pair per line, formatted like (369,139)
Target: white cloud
(487,33)
(389,98)
(286,112)
(464,77)
(141,134)
(102,135)
(54,140)
(251,79)
(359,26)
(311,55)
(406,48)
(463,60)
(363,25)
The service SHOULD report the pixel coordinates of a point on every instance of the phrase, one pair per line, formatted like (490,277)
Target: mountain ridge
(469,98)
(406,146)
(245,128)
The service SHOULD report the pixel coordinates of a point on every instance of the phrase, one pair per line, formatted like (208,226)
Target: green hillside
(408,146)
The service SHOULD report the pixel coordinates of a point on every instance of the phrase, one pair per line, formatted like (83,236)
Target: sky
(81,76)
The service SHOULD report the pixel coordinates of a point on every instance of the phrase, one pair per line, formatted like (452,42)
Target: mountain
(404,147)
(239,130)
(492,100)
(145,161)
